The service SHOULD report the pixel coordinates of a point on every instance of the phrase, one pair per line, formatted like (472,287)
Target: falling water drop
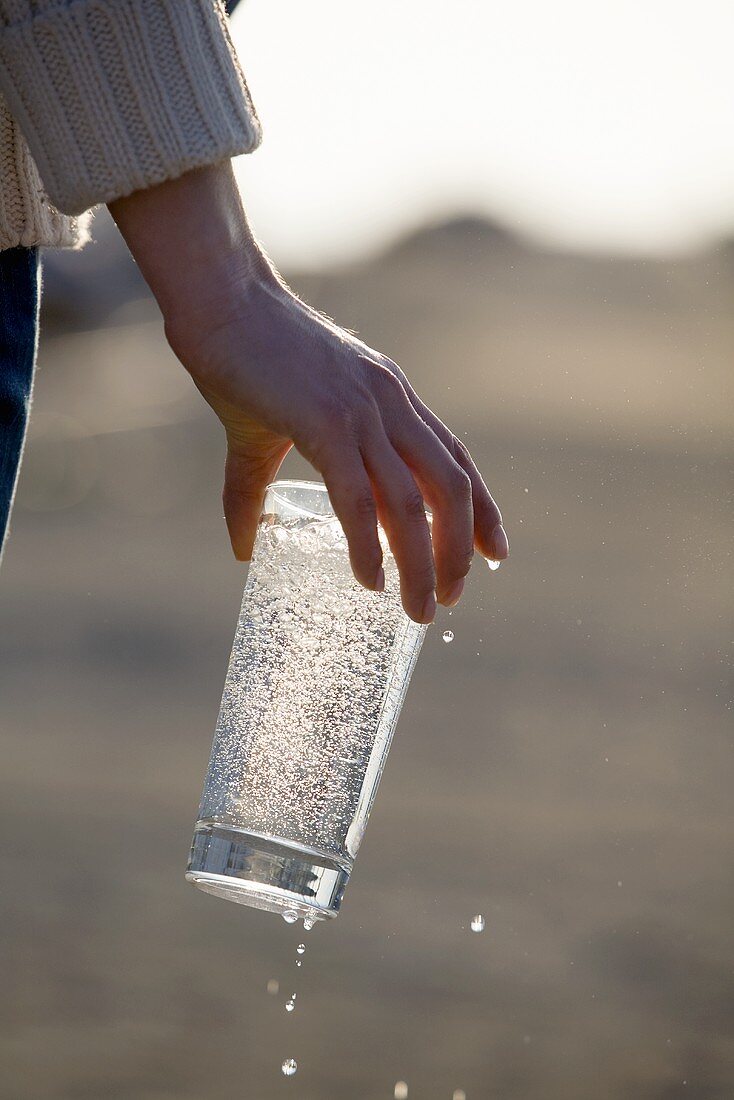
(299,962)
(477,923)
(289,1067)
(301,948)
(290,916)
(289,1006)
(308,923)
(493,565)
(448,636)
(400,1091)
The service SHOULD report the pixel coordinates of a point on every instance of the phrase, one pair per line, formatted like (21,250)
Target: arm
(278,374)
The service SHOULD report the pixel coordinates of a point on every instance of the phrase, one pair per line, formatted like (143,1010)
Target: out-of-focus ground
(564,767)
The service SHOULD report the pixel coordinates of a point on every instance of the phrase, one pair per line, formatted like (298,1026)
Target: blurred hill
(563,767)
(565,341)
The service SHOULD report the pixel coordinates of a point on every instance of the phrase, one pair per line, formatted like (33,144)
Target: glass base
(266,873)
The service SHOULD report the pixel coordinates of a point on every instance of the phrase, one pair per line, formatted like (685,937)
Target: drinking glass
(316,680)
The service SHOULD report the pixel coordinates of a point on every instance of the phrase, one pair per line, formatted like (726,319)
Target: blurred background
(531,208)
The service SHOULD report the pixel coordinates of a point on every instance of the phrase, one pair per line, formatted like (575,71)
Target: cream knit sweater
(99,98)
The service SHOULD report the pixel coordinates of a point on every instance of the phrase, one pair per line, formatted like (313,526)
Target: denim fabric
(19,294)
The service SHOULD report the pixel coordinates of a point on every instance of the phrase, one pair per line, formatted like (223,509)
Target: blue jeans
(19,296)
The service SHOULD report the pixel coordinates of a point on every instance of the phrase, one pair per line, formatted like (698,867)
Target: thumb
(246,478)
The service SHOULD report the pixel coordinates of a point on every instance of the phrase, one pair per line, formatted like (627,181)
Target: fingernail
(380,580)
(428,613)
(454,593)
(500,542)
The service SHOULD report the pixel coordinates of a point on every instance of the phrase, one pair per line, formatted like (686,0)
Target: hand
(278,374)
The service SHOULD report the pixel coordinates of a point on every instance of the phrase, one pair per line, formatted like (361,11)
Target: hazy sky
(599,125)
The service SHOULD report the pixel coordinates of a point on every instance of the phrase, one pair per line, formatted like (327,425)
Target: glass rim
(279,491)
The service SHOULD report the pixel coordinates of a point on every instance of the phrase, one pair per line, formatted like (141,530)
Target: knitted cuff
(116,95)
(26,216)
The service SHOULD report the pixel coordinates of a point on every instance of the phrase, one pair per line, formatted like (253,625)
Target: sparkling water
(317,676)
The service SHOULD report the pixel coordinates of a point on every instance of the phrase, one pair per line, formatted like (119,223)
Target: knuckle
(461,452)
(388,382)
(363,504)
(423,575)
(413,505)
(459,484)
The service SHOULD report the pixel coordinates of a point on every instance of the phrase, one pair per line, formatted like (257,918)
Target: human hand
(278,374)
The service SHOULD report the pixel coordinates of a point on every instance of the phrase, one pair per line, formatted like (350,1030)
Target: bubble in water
(308,923)
(289,1006)
(401,1091)
(273,986)
(290,916)
(448,636)
(459,1094)
(301,948)
(477,923)
(289,1067)
(493,565)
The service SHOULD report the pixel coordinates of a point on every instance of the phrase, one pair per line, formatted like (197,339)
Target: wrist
(192,242)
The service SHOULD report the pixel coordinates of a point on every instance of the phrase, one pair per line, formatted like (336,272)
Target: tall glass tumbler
(316,680)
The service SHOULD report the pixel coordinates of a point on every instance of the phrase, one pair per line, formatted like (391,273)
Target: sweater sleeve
(117,95)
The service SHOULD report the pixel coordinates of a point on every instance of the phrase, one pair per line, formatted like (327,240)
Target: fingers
(351,495)
(446,488)
(402,514)
(245,479)
(490,537)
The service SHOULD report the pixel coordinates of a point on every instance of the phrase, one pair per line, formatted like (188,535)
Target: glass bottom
(265,873)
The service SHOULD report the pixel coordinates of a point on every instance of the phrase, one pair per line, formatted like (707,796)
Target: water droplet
(448,636)
(289,1006)
(301,948)
(298,962)
(400,1091)
(493,565)
(289,1067)
(459,1094)
(477,923)
(273,986)
(308,923)
(290,916)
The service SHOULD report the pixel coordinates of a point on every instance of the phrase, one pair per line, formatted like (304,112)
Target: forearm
(191,240)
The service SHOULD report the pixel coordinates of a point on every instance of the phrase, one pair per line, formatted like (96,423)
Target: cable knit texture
(26,216)
(111,96)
